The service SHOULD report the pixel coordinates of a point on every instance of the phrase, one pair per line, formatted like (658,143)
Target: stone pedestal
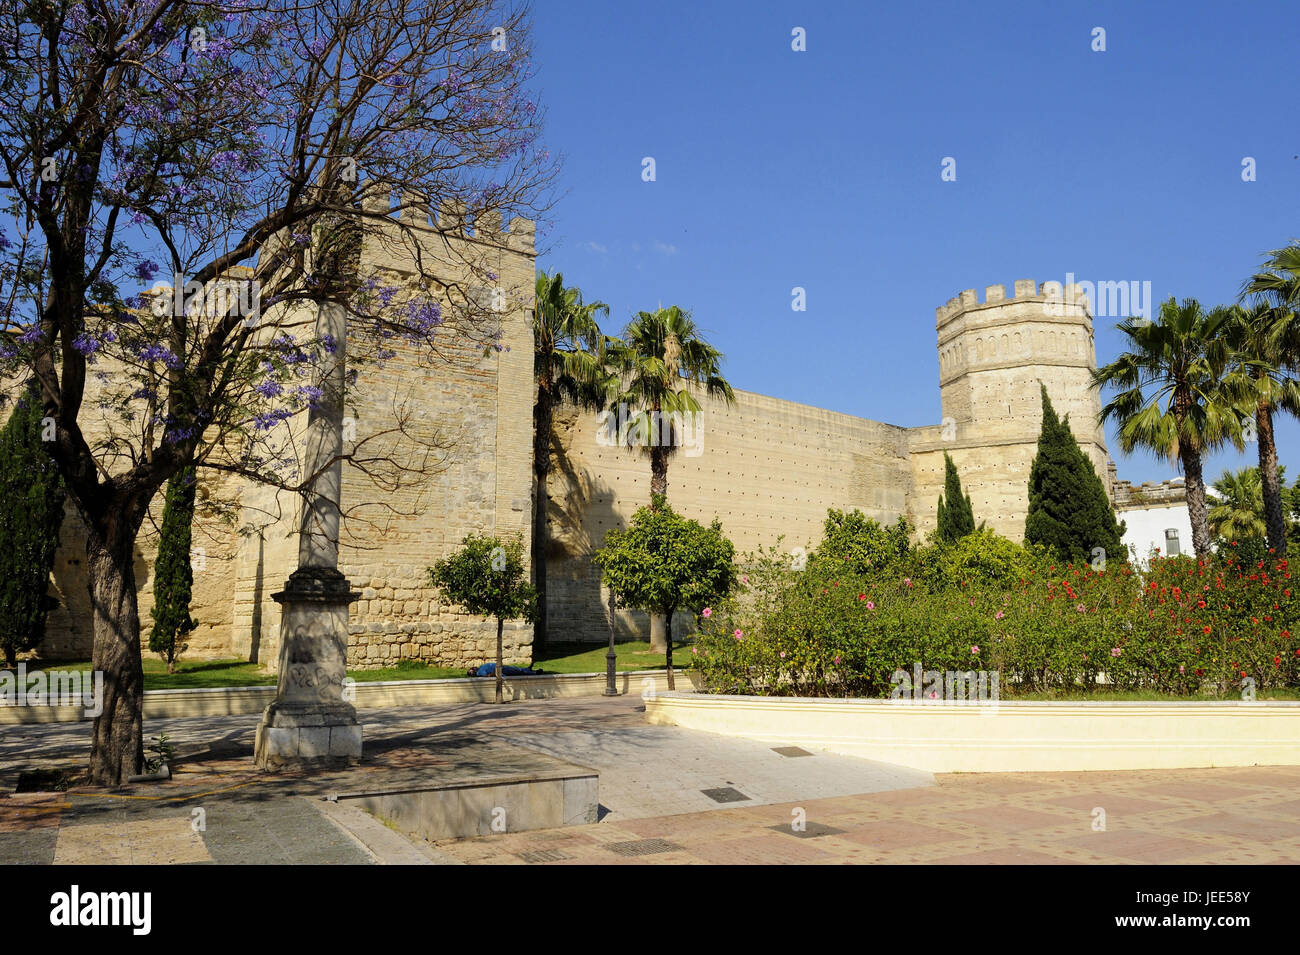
(310,724)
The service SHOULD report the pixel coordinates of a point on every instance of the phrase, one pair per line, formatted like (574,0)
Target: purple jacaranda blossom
(152,353)
(269,419)
(146,270)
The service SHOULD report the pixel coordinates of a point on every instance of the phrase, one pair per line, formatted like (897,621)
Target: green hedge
(986,603)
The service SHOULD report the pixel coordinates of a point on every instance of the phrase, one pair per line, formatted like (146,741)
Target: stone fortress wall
(479,409)
(768,469)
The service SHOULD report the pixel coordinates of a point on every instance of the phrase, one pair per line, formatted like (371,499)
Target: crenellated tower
(993,355)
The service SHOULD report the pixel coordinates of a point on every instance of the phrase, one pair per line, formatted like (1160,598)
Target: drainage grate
(543,855)
(643,847)
(790,751)
(811,830)
(725,794)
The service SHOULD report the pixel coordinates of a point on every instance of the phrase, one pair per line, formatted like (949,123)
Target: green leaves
(31,510)
(663,562)
(486,576)
(1069,512)
(173,571)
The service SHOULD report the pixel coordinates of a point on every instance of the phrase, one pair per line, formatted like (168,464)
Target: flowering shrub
(1183,626)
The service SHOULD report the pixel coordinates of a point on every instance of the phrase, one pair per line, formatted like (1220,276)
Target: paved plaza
(668,796)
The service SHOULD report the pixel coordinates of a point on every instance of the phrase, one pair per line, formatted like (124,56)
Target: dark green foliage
(31,510)
(956,516)
(1069,512)
(664,562)
(486,576)
(862,544)
(173,574)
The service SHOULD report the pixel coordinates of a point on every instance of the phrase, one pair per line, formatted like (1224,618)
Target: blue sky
(821,169)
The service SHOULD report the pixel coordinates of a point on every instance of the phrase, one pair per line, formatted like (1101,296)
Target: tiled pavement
(654,809)
(1218,816)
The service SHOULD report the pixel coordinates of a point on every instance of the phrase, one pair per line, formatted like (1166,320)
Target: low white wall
(244,700)
(946,737)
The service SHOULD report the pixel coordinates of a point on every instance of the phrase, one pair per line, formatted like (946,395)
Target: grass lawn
(590,658)
(559,658)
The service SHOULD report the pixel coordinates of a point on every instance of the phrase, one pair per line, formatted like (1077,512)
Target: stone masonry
(768,469)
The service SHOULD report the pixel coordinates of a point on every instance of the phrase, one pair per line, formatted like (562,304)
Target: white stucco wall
(1146,529)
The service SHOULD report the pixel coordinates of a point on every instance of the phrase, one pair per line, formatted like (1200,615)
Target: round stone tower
(993,355)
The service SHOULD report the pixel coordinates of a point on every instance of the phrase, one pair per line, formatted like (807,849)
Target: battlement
(1169,493)
(453,219)
(1024,290)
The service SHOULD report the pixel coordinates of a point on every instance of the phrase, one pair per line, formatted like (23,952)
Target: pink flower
(694,651)
(1081,609)
(999,615)
(837,659)
(1181,668)
(706,613)
(744,578)
(870,605)
(737,634)
(974,650)
(907,581)
(782,654)
(1115,651)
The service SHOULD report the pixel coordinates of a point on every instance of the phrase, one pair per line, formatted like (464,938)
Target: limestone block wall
(470,421)
(766,468)
(993,357)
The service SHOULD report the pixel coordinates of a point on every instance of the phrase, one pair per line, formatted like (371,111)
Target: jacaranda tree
(242,150)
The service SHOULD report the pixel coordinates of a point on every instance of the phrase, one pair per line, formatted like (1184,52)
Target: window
(1171,542)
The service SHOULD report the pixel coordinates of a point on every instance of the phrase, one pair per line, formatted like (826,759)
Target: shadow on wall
(578,519)
(70,627)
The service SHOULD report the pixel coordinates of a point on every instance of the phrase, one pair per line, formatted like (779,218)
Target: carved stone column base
(310,724)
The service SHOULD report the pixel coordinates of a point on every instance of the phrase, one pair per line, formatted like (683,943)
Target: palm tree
(1238,514)
(659,358)
(1269,336)
(569,365)
(1172,395)
(1263,339)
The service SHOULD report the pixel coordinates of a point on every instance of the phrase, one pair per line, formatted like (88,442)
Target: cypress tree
(173,578)
(31,510)
(1069,511)
(956,516)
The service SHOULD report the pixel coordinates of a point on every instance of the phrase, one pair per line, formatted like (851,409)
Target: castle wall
(767,468)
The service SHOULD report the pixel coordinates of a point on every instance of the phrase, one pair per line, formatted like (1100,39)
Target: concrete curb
(250,700)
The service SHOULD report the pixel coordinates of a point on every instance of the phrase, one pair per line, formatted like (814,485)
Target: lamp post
(611,687)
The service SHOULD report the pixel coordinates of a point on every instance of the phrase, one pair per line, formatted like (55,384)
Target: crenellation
(995,293)
(1026,288)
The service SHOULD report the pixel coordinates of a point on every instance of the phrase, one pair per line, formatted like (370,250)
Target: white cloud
(665,248)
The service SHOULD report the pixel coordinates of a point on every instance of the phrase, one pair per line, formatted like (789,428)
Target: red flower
(1205,630)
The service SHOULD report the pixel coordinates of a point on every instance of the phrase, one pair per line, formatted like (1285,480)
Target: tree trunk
(1196,509)
(117,741)
(500,662)
(657,633)
(1273,516)
(668,654)
(542,423)
(658,470)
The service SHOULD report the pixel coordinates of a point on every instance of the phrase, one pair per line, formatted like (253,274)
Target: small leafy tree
(173,576)
(486,576)
(956,516)
(31,510)
(864,545)
(1069,512)
(663,562)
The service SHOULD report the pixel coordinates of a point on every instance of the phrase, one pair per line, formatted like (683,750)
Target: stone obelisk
(310,723)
